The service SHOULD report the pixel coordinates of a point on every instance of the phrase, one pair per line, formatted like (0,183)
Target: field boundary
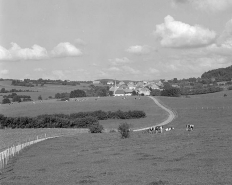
(172,114)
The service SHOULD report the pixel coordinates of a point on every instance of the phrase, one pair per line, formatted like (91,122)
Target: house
(128,92)
(221,83)
(145,91)
(175,85)
(154,86)
(110,83)
(119,92)
(123,86)
(139,84)
(131,86)
(121,83)
(113,88)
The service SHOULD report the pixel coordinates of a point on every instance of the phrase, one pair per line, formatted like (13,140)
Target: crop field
(45,91)
(200,157)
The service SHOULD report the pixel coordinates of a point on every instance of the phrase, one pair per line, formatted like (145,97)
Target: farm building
(110,83)
(128,92)
(119,92)
(96,82)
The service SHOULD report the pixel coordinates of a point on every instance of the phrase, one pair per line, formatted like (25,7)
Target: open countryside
(115,92)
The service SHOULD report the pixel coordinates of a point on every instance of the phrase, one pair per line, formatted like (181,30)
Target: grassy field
(200,157)
(45,91)
(154,113)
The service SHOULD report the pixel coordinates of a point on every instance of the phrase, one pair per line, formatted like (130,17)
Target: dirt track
(171,116)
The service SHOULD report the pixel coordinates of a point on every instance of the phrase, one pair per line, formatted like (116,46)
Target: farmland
(177,157)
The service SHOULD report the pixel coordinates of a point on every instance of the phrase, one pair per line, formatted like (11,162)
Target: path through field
(171,116)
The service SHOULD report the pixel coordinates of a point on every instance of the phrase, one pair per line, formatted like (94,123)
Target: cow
(158,129)
(170,128)
(189,127)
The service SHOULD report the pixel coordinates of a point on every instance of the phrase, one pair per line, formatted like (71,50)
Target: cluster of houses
(140,88)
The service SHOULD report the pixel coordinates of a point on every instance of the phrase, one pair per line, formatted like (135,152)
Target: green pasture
(45,91)
(154,114)
(202,156)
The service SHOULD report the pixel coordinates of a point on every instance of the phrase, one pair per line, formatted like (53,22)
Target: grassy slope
(178,157)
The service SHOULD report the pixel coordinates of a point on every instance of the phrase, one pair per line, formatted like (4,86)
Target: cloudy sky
(122,39)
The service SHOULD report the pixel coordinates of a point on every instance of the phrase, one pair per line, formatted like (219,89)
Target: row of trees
(3,90)
(76,120)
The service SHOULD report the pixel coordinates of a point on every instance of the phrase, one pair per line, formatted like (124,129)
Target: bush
(230,88)
(6,100)
(124,130)
(96,128)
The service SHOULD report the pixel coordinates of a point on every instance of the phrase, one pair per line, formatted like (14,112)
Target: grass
(153,112)
(45,91)
(200,157)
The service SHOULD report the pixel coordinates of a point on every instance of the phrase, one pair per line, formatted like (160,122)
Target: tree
(6,100)
(40,97)
(134,93)
(3,90)
(124,130)
(16,99)
(77,93)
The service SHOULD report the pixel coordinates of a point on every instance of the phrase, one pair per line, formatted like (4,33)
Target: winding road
(171,116)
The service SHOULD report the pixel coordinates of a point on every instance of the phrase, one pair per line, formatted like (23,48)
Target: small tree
(124,130)
(6,100)
(96,128)
(16,99)
(40,97)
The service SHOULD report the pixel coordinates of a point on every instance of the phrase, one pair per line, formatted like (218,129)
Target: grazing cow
(189,127)
(158,129)
(170,128)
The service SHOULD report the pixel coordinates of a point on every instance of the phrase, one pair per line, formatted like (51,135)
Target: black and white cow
(158,129)
(169,128)
(189,127)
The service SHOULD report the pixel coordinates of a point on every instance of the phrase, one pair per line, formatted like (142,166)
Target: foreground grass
(201,157)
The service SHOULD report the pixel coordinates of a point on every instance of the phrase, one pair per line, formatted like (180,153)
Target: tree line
(74,120)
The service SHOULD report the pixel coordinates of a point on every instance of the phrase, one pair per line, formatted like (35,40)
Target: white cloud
(130,70)
(65,49)
(17,53)
(140,50)
(177,34)
(119,61)
(60,74)
(206,5)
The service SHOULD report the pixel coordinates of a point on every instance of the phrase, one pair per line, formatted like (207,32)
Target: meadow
(200,157)
(45,91)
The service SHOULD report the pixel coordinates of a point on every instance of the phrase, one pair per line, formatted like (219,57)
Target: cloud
(60,74)
(130,70)
(176,34)
(223,45)
(65,49)
(206,5)
(119,61)
(17,53)
(140,50)
(154,71)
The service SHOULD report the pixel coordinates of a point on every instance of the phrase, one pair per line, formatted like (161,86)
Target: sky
(117,39)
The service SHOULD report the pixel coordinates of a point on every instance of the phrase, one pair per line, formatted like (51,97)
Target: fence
(12,151)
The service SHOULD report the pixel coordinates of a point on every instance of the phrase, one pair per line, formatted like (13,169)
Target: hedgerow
(74,120)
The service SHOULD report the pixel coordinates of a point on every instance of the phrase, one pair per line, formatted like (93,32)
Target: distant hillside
(221,74)
(104,81)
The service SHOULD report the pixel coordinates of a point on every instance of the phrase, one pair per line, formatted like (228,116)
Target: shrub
(230,88)
(84,122)
(6,100)
(96,128)
(124,130)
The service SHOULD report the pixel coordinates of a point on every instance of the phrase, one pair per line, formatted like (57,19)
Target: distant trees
(77,93)
(6,100)
(16,98)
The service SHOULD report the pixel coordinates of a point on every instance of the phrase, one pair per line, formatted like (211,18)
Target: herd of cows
(159,129)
